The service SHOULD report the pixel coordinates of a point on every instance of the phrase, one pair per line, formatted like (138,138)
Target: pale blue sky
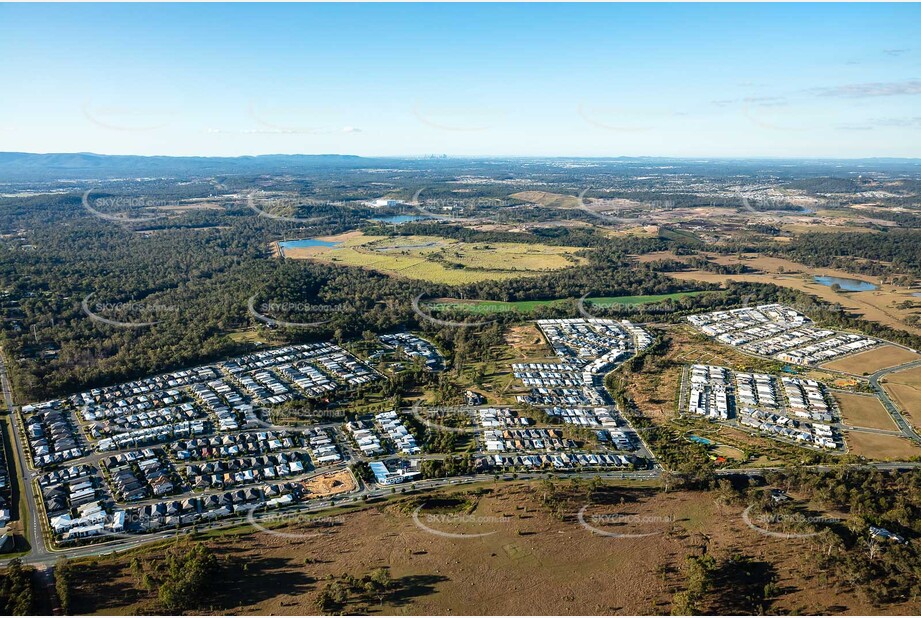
(839,80)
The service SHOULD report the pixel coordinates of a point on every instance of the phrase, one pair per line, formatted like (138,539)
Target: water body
(397,219)
(306,242)
(848,285)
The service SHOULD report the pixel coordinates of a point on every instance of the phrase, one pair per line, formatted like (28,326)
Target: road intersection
(43,554)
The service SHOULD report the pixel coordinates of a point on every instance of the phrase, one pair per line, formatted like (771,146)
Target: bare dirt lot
(331,484)
(873,360)
(530,561)
(864,411)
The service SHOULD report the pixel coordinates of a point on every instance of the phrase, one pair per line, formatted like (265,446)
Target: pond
(848,285)
(397,219)
(306,242)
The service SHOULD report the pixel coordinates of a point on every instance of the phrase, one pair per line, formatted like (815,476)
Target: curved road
(893,410)
(44,556)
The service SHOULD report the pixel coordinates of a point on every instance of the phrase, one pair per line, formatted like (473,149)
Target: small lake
(848,285)
(397,219)
(306,242)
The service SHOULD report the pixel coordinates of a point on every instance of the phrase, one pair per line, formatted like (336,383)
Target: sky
(707,80)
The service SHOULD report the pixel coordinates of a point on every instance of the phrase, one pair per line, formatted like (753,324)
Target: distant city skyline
(670,80)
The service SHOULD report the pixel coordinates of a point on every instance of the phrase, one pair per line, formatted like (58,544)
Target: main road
(44,556)
(893,410)
(32,528)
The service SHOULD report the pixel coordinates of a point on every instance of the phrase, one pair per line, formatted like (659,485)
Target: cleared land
(550,200)
(534,562)
(330,484)
(905,388)
(525,306)
(882,305)
(864,411)
(880,446)
(873,360)
(817,228)
(441,260)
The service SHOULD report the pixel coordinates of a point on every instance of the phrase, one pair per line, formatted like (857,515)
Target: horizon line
(492,156)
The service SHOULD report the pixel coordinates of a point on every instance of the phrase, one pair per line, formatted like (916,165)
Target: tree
(62,583)
(17,593)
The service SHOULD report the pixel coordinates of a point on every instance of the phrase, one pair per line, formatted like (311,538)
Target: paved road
(44,556)
(365,492)
(882,432)
(47,558)
(39,555)
(33,531)
(893,410)
(884,465)
(905,428)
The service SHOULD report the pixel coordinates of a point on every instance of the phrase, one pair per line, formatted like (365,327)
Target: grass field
(795,228)
(873,360)
(729,452)
(441,260)
(880,446)
(525,306)
(531,562)
(607,301)
(905,388)
(864,411)
(550,200)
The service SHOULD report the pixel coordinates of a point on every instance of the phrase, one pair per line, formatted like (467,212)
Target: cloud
(877,123)
(765,101)
(874,89)
(282,131)
(900,122)
(256,131)
(751,102)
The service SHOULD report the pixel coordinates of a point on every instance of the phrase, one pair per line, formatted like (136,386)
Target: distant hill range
(29,167)
(23,166)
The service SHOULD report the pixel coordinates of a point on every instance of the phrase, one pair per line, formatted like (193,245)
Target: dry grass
(905,388)
(532,563)
(550,200)
(864,411)
(441,260)
(877,305)
(806,228)
(523,344)
(873,360)
(880,446)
